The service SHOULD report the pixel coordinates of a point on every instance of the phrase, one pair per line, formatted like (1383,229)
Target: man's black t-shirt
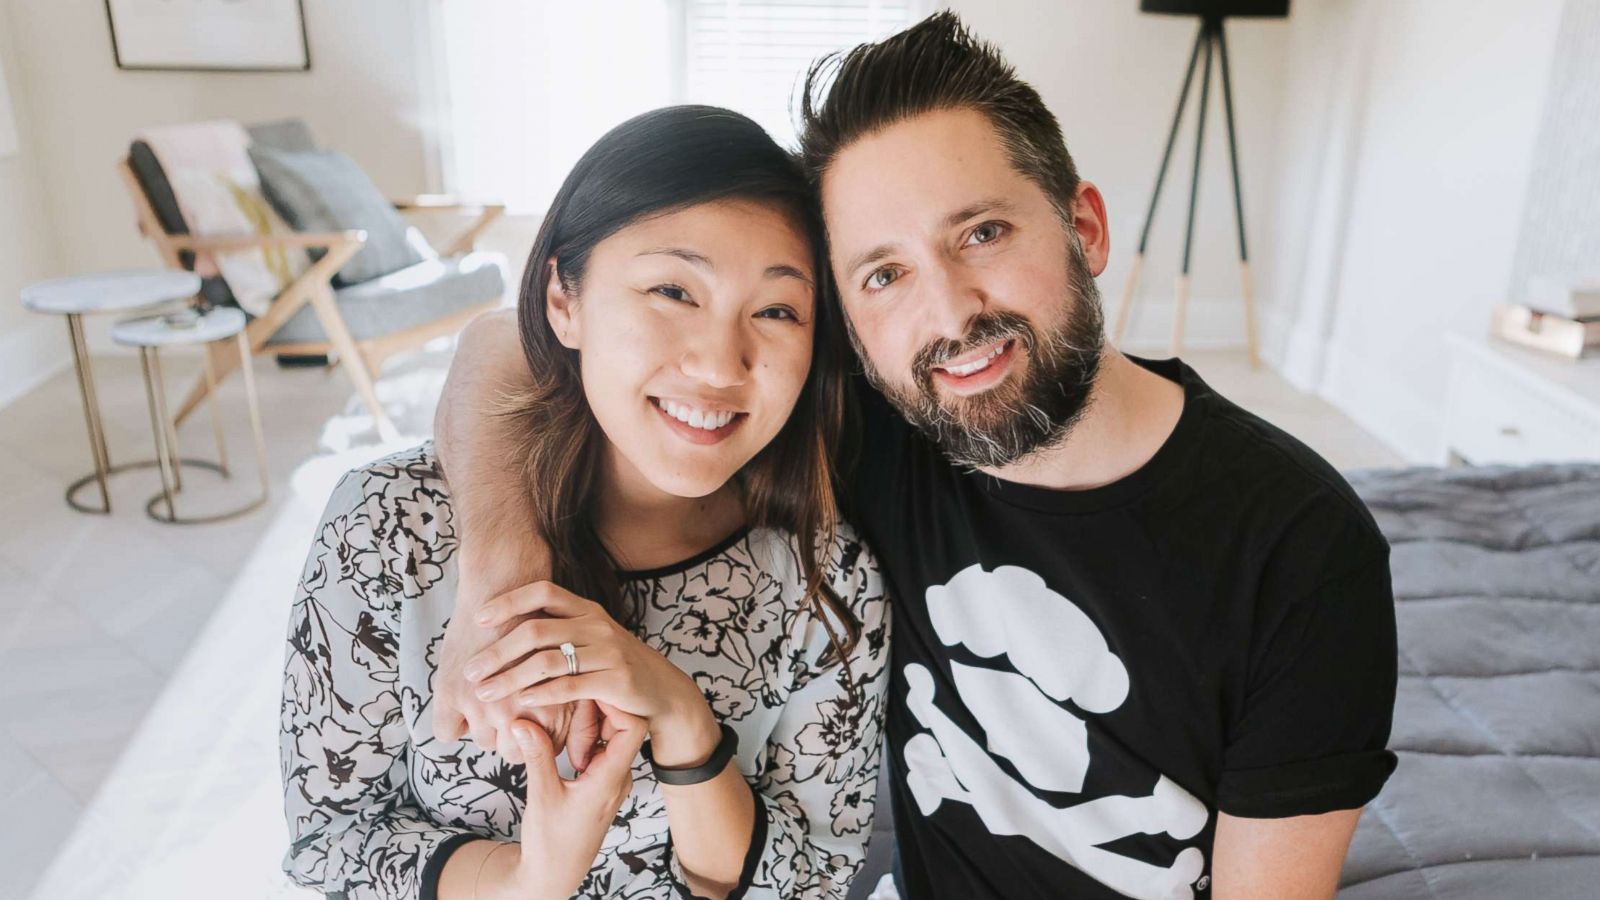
(1083,679)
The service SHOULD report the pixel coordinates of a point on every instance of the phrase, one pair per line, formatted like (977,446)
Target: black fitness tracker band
(726,747)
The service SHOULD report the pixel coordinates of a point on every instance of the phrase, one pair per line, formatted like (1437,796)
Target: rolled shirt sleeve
(1314,729)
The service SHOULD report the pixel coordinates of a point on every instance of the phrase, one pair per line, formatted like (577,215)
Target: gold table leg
(166,442)
(166,420)
(211,403)
(255,414)
(98,446)
(91,416)
(158,427)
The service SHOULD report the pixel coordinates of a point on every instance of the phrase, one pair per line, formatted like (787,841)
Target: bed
(1497,716)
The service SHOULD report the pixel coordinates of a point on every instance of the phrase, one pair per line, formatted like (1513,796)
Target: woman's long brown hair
(653,164)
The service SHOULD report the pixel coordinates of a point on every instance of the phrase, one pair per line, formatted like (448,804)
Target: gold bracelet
(482,863)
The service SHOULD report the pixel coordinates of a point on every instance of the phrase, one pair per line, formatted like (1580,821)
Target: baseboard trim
(1305,358)
(1213,323)
(1386,406)
(30,356)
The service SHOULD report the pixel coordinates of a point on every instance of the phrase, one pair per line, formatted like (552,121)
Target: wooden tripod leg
(1126,307)
(1238,203)
(1249,315)
(1124,313)
(1180,309)
(1182,298)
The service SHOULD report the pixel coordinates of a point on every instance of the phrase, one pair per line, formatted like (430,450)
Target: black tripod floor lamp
(1211,13)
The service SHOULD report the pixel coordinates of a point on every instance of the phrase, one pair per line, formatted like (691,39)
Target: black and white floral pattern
(369,792)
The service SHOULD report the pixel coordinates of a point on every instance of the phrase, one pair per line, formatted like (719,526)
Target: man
(1144,641)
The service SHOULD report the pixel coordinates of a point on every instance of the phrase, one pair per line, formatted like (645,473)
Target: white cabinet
(1511,405)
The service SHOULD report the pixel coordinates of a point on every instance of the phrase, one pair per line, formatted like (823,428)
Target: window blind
(752,55)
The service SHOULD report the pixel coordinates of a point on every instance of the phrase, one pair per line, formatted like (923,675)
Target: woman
(714,611)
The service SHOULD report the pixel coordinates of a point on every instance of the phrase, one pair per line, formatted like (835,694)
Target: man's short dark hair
(937,64)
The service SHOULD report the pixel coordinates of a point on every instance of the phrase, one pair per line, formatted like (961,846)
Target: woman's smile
(696,422)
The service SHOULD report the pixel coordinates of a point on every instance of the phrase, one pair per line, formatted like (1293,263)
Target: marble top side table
(103,292)
(151,333)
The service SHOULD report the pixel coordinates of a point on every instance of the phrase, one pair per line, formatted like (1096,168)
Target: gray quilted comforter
(1497,719)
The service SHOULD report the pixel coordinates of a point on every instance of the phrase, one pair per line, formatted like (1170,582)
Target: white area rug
(193,807)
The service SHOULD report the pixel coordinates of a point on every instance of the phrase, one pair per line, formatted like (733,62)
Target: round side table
(104,292)
(149,334)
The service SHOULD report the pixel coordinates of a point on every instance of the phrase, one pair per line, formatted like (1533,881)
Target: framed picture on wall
(209,35)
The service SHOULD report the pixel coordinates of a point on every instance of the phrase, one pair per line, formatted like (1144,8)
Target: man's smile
(978,370)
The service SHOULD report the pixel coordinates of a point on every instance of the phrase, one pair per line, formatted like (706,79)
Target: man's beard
(1017,417)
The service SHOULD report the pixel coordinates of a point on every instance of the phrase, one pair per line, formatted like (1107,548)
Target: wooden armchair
(358,326)
(466,240)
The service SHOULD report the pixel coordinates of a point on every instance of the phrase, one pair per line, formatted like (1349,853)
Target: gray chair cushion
(324,190)
(417,295)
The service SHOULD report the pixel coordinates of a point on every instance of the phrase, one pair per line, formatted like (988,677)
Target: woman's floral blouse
(371,796)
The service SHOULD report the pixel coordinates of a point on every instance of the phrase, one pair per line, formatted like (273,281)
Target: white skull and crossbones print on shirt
(1056,654)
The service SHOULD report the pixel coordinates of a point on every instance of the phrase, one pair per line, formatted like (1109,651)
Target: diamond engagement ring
(571,653)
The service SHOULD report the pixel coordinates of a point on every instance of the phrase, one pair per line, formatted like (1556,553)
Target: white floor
(139,662)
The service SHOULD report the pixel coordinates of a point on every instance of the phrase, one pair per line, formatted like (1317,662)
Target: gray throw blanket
(1497,719)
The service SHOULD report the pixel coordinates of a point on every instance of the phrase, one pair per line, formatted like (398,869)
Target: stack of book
(1561,316)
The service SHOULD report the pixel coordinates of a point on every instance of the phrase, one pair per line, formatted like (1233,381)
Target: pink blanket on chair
(219,194)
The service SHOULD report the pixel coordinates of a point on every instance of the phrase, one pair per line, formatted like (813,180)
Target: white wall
(1111,75)
(1419,147)
(31,346)
(514,138)
(1325,93)
(1387,151)
(366,94)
